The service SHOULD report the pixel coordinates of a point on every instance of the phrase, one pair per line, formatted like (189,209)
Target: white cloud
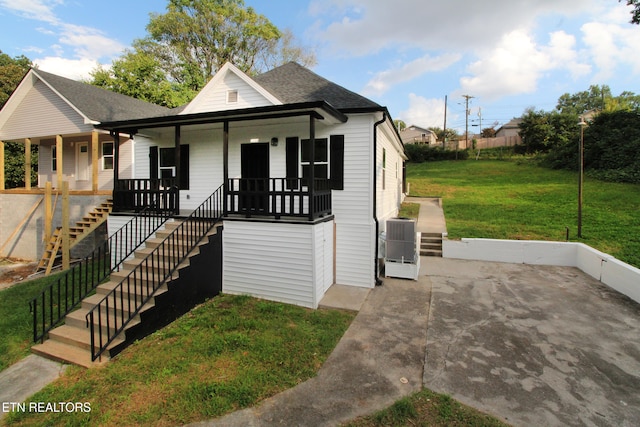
(41,10)
(425,112)
(384,80)
(76,69)
(611,45)
(87,45)
(89,42)
(360,27)
(516,64)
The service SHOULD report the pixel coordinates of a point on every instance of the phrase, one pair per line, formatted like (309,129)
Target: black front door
(254,185)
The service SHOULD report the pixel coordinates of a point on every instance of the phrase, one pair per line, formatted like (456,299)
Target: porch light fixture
(274,142)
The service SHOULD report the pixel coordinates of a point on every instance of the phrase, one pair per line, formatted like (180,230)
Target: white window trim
(103,156)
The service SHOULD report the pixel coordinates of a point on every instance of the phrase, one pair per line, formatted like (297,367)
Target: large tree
(12,70)
(187,44)
(587,100)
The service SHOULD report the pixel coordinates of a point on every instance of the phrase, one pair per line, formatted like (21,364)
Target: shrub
(419,153)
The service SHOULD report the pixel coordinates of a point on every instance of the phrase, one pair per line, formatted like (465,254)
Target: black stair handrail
(61,297)
(116,310)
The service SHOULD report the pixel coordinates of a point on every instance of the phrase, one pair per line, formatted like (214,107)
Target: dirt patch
(12,273)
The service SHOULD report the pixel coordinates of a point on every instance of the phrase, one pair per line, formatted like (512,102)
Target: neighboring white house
(263,140)
(417,135)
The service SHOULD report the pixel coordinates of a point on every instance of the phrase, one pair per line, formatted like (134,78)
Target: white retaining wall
(612,272)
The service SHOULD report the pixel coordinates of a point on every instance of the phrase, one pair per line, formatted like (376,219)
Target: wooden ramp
(82,229)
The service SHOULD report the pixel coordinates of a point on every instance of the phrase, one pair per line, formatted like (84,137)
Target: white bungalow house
(301,173)
(263,140)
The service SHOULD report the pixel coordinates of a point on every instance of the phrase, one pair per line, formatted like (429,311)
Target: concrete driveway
(533,345)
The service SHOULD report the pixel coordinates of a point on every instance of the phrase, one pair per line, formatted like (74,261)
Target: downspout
(375,199)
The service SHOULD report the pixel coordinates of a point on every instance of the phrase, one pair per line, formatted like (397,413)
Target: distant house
(417,135)
(509,129)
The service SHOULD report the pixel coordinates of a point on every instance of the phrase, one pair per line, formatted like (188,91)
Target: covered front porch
(264,170)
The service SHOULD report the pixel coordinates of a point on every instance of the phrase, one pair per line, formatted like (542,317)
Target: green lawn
(518,200)
(226,354)
(16,324)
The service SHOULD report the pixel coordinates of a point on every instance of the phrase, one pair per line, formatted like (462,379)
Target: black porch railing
(113,313)
(278,197)
(62,296)
(136,194)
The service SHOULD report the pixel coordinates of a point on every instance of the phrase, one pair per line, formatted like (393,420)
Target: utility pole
(466,119)
(444,134)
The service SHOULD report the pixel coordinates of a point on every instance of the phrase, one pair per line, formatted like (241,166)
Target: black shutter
(184,167)
(337,162)
(292,162)
(153,162)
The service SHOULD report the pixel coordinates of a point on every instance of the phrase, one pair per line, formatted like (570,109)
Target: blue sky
(404,54)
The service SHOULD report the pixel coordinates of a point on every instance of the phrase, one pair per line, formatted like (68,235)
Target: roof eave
(321,110)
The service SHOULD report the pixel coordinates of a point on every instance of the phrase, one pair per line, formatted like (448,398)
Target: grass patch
(224,355)
(16,324)
(519,200)
(427,408)
(409,210)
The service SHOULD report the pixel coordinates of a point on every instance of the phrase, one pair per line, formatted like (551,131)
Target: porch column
(1,165)
(94,161)
(312,166)
(116,156)
(225,166)
(59,161)
(177,159)
(27,163)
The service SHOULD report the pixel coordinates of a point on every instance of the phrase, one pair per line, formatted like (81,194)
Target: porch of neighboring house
(84,164)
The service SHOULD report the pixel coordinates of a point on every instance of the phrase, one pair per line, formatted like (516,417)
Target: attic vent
(232,96)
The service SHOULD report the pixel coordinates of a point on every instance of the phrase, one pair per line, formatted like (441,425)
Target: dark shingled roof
(293,83)
(99,104)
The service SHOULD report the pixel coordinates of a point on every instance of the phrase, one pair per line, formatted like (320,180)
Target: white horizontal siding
(389,197)
(216,98)
(42,113)
(355,254)
(274,261)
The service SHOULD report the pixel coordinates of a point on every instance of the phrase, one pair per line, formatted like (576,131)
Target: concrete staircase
(83,228)
(70,343)
(431,244)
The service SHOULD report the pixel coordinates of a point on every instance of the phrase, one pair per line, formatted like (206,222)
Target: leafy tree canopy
(12,70)
(186,45)
(635,12)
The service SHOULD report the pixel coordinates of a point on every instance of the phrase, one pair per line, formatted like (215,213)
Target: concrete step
(77,319)
(139,290)
(77,337)
(66,353)
(431,252)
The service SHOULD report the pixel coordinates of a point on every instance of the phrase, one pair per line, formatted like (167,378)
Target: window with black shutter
(328,161)
(162,162)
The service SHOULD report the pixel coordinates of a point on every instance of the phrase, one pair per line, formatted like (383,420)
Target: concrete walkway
(22,379)
(431,216)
